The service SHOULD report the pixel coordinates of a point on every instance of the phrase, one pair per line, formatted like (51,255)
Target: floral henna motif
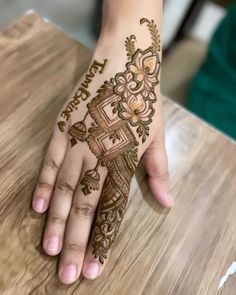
(123,106)
(136,87)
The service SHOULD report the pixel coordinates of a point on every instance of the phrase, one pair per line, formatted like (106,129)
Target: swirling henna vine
(81,93)
(123,106)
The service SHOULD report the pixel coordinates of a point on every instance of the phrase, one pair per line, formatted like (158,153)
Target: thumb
(156,165)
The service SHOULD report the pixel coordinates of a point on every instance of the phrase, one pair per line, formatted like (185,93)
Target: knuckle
(162,175)
(57,220)
(84,209)
(65,186)
(51,163)
(42,184)
(76,247)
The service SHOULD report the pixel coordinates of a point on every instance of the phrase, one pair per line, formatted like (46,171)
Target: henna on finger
(121,113)
(112,205)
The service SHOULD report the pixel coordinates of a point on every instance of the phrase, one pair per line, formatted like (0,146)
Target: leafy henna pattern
(123,106)
(130,46)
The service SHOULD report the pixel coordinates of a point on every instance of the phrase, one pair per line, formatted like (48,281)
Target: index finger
(110,214)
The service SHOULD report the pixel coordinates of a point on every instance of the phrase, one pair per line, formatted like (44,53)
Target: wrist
(121,19)
(112,40)
(119,41)
(116,12)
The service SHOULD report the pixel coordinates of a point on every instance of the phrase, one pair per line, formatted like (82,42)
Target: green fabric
(213,92)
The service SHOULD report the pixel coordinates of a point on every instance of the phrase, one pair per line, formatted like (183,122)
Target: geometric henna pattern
(122,107)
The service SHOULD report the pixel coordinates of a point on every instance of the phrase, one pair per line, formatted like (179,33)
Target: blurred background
(199,62)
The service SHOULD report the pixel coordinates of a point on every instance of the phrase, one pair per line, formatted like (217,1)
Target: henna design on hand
(122,112)
(130,46)
(81,93)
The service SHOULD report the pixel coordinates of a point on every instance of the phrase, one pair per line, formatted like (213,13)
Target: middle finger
(78,228)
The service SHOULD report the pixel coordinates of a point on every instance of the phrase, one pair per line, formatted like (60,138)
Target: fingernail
(69,273)
(39,205)
(52,244)
(91,270)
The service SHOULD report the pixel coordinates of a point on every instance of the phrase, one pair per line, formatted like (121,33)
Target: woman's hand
(112,119)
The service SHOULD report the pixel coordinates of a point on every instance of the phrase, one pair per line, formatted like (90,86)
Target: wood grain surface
(183,251)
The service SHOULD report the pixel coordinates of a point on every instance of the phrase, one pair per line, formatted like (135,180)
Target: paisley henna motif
(122,112)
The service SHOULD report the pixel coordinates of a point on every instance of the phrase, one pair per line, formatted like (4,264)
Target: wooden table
(183,251)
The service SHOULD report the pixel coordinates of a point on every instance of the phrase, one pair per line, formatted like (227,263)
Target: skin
(70,213)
